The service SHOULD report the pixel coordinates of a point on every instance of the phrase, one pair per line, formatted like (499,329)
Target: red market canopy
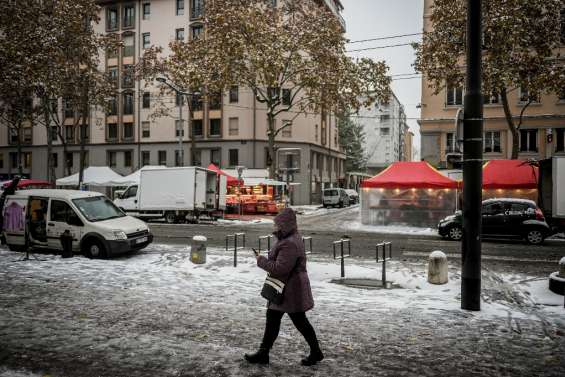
(510,174)
(29,183)
(410,175)
(232,181)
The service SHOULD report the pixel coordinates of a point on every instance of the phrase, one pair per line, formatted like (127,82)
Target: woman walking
(287,262)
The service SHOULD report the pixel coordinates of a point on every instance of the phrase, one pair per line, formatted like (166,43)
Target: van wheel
(340,204)
(170,218)
(94,249)
(535,237)
(16,247)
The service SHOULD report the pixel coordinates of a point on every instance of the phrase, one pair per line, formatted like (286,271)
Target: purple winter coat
(287,262)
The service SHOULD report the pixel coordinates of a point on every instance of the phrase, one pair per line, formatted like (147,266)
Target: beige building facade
(542,133)
(230,129)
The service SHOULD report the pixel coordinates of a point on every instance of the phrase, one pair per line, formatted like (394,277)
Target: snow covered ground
(156,314)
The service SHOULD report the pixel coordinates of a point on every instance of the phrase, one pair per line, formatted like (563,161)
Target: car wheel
(94,249)
(455,233)
(171,218)
(535,237)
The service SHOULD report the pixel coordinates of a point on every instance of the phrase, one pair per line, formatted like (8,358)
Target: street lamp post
(240,170)
(182,94)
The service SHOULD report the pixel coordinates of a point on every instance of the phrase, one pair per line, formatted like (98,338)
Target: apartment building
(230,129)
(385,128)
(542,134)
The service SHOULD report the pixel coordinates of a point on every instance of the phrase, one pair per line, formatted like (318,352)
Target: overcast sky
(368,19)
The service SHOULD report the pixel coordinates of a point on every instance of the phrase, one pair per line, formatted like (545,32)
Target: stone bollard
(198,250)
(562,268)
(437,268)
(557,279)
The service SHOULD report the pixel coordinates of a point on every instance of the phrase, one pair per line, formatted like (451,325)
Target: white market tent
(255,177)
(93,176)
(134,177)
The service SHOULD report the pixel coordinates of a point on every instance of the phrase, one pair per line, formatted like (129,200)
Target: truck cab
(38,218)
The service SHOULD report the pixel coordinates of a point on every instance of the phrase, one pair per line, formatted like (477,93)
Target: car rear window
(518,208)
(330,193)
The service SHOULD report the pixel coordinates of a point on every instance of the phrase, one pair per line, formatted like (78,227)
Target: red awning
(510,174)
(410,175)
(232,181)
(27,183)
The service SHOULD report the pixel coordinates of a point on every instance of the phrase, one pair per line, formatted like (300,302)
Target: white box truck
(552,192)
(175,194)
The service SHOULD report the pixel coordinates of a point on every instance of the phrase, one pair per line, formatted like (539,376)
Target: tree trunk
(19,150)
(191,132)
(50,167)
(271,147)
(82,136)
(511,125)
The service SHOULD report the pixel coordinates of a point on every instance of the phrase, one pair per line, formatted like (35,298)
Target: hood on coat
(286,222)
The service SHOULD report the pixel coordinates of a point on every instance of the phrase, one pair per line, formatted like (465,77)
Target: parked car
(335,197)
(353,196)
(38,218)
(506,218)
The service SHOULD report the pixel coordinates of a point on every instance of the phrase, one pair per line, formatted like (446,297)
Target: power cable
(385,38)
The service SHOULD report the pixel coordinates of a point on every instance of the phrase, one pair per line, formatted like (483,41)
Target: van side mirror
(74,220)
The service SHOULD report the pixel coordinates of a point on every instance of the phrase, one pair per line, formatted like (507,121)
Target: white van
(37,218)
(335,197)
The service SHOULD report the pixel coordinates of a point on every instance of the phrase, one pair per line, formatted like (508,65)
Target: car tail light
(539,215)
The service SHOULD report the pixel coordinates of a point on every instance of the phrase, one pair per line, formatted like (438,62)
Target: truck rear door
(222,192)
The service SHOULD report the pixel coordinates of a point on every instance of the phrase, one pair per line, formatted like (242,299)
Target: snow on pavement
(156,313)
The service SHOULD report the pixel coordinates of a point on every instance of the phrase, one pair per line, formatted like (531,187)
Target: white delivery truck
(552,192)
(37,219)
(175,194)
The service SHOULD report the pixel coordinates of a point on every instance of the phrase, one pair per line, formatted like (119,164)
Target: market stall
(257,193)
(93,176)
(510,179)
(408,193)
(28,184)
(231,180)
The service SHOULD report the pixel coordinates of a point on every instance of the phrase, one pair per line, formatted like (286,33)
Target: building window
(179,99)
(449,142)
(179,34)
(145,158)
(385,131)
(179,158)
(112,18)
(53,134)
(234,94)
(492,142)
(129,45)
(233,129)
(127,159)
(1,160)
(197,126)
(129,16)
(27,135)
(492,99)
(528,140)
(27,160)
(560,139)
(196,102)
(113,106)
(179,128)
(454,95)
(127,79)
(14,160)
(70,134)
(180,7)
(112,53)
(286,128)
(68,108)
(234,157)
(128,130)
(215,101)
(112,159)
(113,76)
(128,103)
(13,135)
(146,11)
(216,157)
(197,8)
(145,129)
(112,131)
(215,127)
(146,103)
(196,31)
(286,97)
(316,133)
(162,158)
(526,96)
(146,40)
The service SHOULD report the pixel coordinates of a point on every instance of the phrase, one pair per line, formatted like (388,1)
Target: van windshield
(98,208)
(330,193)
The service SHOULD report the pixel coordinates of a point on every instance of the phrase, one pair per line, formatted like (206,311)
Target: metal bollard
(307,251)
(342,256)
(67,244)
(236,238)
(268,239)
(384,246)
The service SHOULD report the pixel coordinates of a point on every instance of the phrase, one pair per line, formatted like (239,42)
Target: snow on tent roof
(510,174)
(93,176)
(418,174)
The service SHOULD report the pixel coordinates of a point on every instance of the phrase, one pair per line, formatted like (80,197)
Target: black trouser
(299,320)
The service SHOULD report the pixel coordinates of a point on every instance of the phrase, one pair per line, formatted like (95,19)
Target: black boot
(259,357)
(312,359)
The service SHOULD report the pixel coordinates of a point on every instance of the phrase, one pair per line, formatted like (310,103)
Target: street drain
(365,283)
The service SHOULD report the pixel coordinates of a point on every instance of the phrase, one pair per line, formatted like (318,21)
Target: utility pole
(472,163)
